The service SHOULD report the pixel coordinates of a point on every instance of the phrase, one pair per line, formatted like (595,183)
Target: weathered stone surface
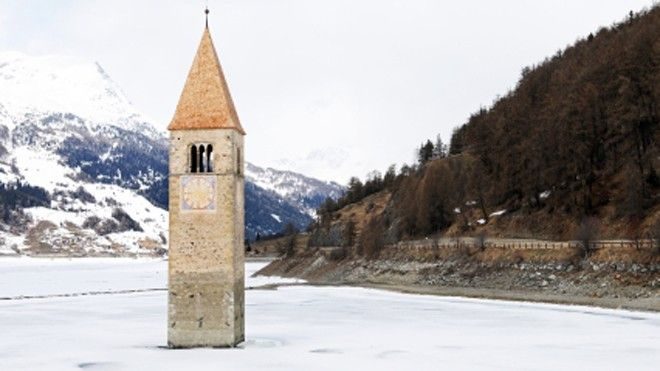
(206,258)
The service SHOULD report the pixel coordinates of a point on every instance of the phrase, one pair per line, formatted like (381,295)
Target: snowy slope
(65,84)
(83,172)
(304,192)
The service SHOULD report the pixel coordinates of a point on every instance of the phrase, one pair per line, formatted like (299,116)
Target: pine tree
(425,153)
(440,150)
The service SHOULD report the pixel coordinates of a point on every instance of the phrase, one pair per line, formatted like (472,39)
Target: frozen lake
(122,326)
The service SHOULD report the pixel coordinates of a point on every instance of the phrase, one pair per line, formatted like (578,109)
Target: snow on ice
(300,327)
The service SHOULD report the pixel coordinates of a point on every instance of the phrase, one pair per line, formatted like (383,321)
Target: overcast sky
(329,88)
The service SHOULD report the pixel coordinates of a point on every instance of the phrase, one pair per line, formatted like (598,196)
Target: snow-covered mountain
(83,172)
(301,191)
(62,84)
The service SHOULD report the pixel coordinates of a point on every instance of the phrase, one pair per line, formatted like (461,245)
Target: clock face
(198,193)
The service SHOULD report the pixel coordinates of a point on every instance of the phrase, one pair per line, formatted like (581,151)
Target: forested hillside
(574,146)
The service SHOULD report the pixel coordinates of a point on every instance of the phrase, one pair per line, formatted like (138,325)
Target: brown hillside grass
(276,247)
(361,211)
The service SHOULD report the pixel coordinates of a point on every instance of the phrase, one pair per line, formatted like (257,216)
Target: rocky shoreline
(611,285)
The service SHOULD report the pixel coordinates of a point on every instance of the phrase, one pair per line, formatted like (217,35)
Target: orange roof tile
(205,102)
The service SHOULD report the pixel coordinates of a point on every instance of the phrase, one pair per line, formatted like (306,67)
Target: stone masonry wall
(206,301)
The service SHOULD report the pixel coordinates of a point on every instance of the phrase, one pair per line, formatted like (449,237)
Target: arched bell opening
(209,158)
(238,161)
(202,159)
(193,158)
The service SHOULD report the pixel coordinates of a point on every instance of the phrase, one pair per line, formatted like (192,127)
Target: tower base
(204,312)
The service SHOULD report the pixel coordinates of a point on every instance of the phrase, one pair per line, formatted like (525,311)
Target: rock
(543,283)
(552,277)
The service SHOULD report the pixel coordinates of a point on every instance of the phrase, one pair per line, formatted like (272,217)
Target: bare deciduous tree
(587,232)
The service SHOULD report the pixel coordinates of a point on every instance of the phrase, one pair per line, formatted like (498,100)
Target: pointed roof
(205,102)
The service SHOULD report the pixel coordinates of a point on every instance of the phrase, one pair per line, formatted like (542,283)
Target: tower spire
(205,101)
(206,11)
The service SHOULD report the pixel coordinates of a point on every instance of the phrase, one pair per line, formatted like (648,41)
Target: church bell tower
(206,198)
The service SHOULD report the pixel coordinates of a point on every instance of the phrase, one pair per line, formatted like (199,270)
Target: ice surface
(39,277)
(302,327)
(57,277)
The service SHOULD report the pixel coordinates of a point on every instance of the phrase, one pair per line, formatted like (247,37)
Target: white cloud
(329,163)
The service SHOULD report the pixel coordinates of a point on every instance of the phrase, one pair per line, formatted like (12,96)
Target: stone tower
(206,256)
